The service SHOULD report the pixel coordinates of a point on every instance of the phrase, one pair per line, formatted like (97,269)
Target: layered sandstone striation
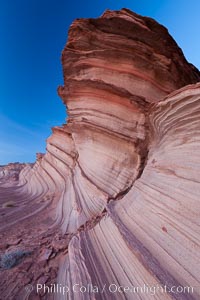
(115,198)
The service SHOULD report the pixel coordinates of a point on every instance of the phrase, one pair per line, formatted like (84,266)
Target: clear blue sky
(33,34)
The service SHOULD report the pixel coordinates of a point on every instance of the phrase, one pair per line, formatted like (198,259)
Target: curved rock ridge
(119,182)
(113,67)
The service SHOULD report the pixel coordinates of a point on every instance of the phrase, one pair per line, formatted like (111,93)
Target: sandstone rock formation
(115,199)
(10,172)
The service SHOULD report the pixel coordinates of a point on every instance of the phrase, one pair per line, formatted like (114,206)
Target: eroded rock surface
(115,199)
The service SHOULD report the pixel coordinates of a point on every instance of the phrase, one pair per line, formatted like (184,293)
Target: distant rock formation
(121,178)
(10,172)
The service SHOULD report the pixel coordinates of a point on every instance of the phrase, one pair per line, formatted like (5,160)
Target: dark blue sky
(33,34)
